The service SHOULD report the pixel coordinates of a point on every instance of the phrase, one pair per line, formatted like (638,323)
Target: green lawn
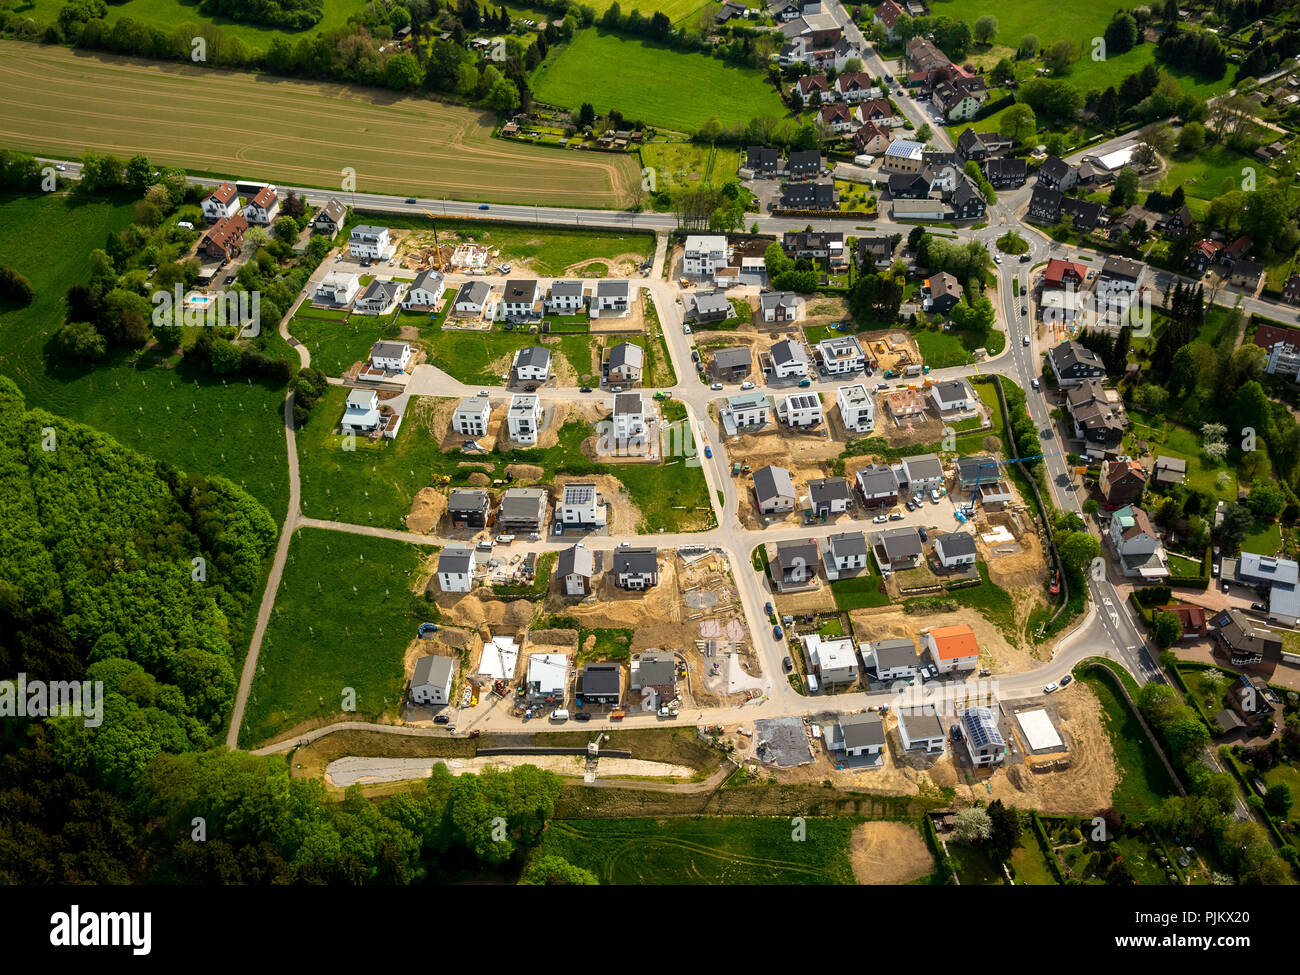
(679,164)
(1291,776)
(858,592)
(1201,174)
(614,72)
(611,643)
(1030,864)
(343,617)
(973,866)
(335,346)
(705,850)
(158,406)
(1177,441)
(1143,779)
(1264,538)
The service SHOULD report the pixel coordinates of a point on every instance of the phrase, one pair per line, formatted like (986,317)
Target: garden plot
(889,853)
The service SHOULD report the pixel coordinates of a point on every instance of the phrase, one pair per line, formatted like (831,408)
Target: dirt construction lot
(889,853)
(803,453)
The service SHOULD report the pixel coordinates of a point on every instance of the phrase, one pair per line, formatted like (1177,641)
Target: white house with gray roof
(521,300)
(921,474)
(625,363)
(368,242)
(953,396)
(635,568)
(829,496)
(858,736)
(472,298)
(773,490)
(857,408)
(575,567)
(532,363)
(955,549)
(522,510)
(789,359)
(431,680)
(878,485)
(390,356)
(845,554)
(780,306)
(426,291)
(894,659)
(379,298)
(613,297)
(921,730)
(471,416)
(708,306)
(628,418)
(566,297)
(456,569)
(896,549)
(524,418)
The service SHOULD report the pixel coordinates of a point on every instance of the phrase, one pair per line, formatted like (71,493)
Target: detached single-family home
(1055,173)
(524,417)
(329,219)
(984,742)
(794,566)
(521,300)
(801,409)
(841,354)
(655,670)
(780,306)
(1244,643)
(897,549)
(952,648)
(871,139)
(368,242)
(921,474)
(625,362)
(822,245)
(1280,577)
(1122,481)
(955,549)
(431,680)
(532,363)
(456,569)
(566,297)
(379,298)
(468,507)
(857,408)
(263,208)
(903,156)
(1064,274)
(581,506)
(789,359)
(361,412)
(829,496)
(835,662)
(845,554)
(953,396)
(636,568)
(942,293)
(733,363)
(522,510)
(612,297)
(878,486)
(548,679)
(876,250)
(390,356)
(1138,548)
(976,469)
(472,297)
(1169,471)
(773,490)
(471,416)
(1098,420)
(1073,363)
(575,568)
(337,288)
(894,659)
(628,418)
(860,736)
(602,683)
(708,306)
(221,203)
(752,409)
(426,291)
(921,730)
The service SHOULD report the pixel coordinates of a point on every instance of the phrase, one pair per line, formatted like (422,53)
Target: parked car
(616,389)
(879,520)
(474,734)
(715,386)
(747,385)
(1066,679)
(441,719)
(805,383)
(582,716)
(934,496)
(778,633)
(686,329)
(505,539)
(895,516)
(924,536)
(1050,687)
(585,389)
(1261,607)
(788,664)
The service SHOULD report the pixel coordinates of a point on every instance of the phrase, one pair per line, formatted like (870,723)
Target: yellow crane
(437,251)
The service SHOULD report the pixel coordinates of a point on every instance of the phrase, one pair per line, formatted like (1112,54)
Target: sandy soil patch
(427,509)
(565,374)
(479,479)
(352,770)
(524,472)
(471,610)
(889,853)
(620,266)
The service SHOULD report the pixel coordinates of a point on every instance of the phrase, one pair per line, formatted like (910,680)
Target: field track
(55,101)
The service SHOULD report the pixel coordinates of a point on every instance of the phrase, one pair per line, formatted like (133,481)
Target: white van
(560,715)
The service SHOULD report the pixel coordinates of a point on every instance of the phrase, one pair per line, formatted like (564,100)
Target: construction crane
(995,464)
(437,251)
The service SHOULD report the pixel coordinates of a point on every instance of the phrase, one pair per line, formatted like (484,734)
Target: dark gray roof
(788,351)
(519,503)
(628,403)
(773,482)
(455,560)
(1070,353)
(602,678)
(955,544)
(387,350)
(428,280)
(635,561)
(656,669)
(566,289)
(970,467)
(923,466)
(467,499)
(385,290)
(473,291)
(575,560)
(827,489)
(520,290)
(433,670)
(733,356)
(877,479)
(921,724)
(792,554)
(848,543)
(860,730)
(626,354)
(613,289)
(534,355)
(952,390)
(894,653)
(900,543)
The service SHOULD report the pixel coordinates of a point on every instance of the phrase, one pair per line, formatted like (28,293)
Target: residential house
(628,420)
(804,164)
(602,683)
(846,553)
(856,86)
(1122,481)
(943,291)
(871,138)
(780,306)
(532,363)
(1279,577)
(857,408)
(903,156)
(472,298)
(1244,643)
(575,568)
(522,300)
(1204,254)
(1064,274)
(975,470)
(566,297)
(624,363)
(859,736)
(547,681)
(1119,280)
(456,569)
(655,671)
(468,507)
(1169,471)
(612,297)
(801,409)
(337,288)
(390,356)
(924,211)
(752,409)
(431,680)
(765,162)
(524,418)
(1137,546)
(897,549)
(471,416)
(834,661)
(984,742)
(379,298)
(1252,699)
(361,412)
(789,359)
(810,196)
(329,218)
(1055,173)
(523,510)
(263,208)
(1006,174)
(921,730)
(822,245)
(732,363)
(704,254)
(993,493)
(829,496)
(1291,290)
(959,98)
(955,549)
(1097,420)
(1192,619)
(841,354)
(893,659)
(368,242)
(773,490)
(1074,364)
(794,566)
(426,291)
(975,146)
(952,648)
(953,396)
(581,506)
(1283,348)
(708,306)
(840,117)
(636,568)
(965,201)
(920,474)
(1247,274)
(224,239)
(910,186)
(878,486)
(923,57)
(875,250)
(221,203)
(886,15)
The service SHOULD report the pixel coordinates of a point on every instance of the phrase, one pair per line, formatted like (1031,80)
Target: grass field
(60,102)
(1143,779)
(859,591)
(160,407)
(612,72)
(1176,441)
(704,850)
(1030,864)
(677,164)
(973,866)
(343,617)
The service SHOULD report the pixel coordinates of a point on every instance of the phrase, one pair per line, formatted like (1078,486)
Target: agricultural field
(343,617)
(613,72)
(704,850)
(60,102)
(156,405)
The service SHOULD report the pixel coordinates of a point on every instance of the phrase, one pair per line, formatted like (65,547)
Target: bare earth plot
(56,101)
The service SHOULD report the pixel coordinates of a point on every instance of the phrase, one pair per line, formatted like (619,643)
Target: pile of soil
(427,510)
(479,479)
(525,472)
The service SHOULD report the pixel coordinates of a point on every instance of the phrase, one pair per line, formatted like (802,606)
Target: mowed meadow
(59,102)
(649,82)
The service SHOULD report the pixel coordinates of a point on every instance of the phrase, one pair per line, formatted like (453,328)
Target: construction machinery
(437,250)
